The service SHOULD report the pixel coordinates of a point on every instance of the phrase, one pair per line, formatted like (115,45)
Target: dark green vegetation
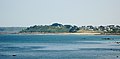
(54,28)
(59,28)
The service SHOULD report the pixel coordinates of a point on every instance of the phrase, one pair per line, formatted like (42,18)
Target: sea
(15,46)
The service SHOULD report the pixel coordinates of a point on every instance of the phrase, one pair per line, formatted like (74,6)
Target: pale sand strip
(81,33)
(60,33)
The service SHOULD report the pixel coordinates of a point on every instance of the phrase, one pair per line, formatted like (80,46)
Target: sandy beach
(36,33)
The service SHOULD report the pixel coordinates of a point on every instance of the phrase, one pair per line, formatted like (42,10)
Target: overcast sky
(75,12)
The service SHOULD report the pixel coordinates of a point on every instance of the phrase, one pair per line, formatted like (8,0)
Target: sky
(74,12)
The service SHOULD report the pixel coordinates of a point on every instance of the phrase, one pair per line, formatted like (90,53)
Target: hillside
(60,28)
(54,28)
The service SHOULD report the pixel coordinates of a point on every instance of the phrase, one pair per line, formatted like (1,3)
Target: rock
(117,42)
(117,56)
(106,38)
(13,55)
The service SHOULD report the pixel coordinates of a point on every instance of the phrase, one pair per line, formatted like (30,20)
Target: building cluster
(108,28)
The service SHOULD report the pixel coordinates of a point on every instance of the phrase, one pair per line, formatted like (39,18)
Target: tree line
(60,28)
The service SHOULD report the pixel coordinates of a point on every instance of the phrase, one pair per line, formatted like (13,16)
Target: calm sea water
(59,47)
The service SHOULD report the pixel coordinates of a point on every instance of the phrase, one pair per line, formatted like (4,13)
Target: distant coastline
(61,29)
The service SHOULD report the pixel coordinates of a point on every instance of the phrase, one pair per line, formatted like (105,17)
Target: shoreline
(60,33)
(85,33)
(37,33)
